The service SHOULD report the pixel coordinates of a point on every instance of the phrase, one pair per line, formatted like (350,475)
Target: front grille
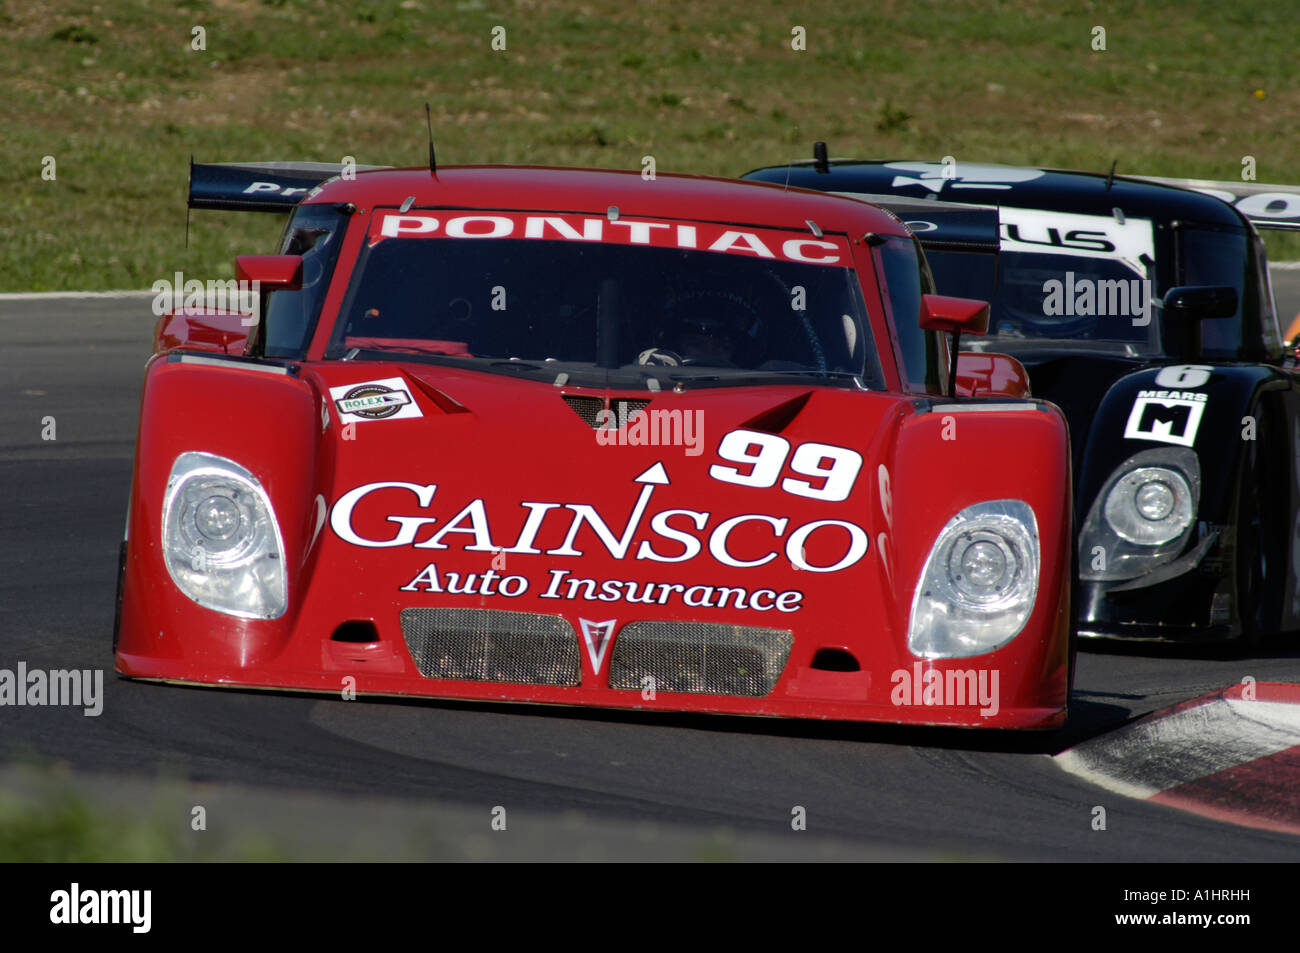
(489,645)
(622,410)
(699,657)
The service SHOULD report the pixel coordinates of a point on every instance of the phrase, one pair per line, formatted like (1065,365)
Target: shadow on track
(1087,718)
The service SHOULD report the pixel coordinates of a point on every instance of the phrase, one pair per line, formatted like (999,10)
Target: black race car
(1143,310)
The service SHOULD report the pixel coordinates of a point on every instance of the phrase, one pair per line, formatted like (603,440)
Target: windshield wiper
(357,346)
(513,364)
(682,381)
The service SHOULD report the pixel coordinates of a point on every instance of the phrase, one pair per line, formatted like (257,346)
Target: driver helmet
(712,326)
(1027,310)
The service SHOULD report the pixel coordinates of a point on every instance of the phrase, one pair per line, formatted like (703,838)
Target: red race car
(583,437)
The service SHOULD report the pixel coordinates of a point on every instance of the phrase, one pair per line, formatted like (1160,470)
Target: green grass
(113,91)
(62,826)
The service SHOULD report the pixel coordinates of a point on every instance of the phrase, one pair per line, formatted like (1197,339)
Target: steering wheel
(660,357)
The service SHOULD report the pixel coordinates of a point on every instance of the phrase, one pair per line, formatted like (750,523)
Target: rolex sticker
(386,399)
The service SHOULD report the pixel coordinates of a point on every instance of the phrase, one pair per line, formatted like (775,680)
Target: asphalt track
(577,784)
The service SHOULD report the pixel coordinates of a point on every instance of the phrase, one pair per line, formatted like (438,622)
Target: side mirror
(267,273)
(955,316)
(271,272)
(1187,306)
(1200,302)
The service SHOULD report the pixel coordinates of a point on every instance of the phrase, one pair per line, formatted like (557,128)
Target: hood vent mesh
(621,409)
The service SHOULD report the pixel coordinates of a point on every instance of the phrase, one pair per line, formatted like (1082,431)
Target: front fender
(264,418)
(1215,412)
(1150,408)
(954,454)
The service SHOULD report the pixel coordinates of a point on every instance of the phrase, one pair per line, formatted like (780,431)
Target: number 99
(764,454)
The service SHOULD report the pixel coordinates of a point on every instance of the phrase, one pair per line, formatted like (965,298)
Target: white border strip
(963,408)
(232,365)
(55,295)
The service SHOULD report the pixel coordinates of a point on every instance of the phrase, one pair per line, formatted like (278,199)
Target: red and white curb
(1232,755)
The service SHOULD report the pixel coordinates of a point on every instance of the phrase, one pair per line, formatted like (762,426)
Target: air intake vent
(622,410)
(700,657)
(776,419)
(357,630)
(835,660)
(489,645)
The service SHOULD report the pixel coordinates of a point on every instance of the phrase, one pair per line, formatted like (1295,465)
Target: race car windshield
(606,313)
(1039,301)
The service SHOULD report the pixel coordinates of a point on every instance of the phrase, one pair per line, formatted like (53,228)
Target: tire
(1073,591)
(1252,559)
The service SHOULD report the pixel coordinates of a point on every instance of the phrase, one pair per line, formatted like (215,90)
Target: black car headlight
(1142,517)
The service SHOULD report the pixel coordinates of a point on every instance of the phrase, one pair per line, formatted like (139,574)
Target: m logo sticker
(1165,419)
(597,636)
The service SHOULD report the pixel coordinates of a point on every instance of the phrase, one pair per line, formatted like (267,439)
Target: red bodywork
(508,442)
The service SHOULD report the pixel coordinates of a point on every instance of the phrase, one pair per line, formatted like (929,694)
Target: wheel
(1074,627)
(1252,545)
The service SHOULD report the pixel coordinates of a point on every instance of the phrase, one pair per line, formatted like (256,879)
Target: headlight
(1142,517)
(221,541)
(979,582)
(1149,505)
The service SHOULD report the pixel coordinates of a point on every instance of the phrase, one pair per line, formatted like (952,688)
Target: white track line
(55,295)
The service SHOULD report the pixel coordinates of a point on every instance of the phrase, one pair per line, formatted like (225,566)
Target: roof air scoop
(778,418)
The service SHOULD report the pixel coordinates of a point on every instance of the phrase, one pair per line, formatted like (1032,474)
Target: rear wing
(259,186)
(1267,206)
